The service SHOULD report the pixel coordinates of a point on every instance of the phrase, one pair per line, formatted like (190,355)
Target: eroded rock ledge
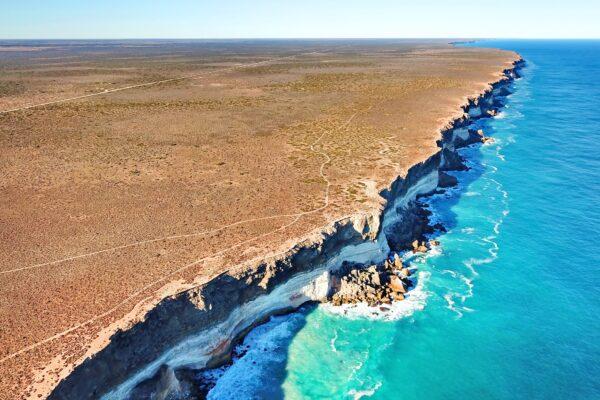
(197,329)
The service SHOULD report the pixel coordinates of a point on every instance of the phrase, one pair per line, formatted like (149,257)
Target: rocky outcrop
(445,180)
(419,246)
(374,285)
(198,328)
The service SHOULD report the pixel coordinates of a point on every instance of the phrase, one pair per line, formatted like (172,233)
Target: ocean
(508,306)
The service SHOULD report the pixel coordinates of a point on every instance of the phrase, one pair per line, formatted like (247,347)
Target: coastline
(224,309)
(416,296)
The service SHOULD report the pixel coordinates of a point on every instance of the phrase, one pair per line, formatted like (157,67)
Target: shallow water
(509,305)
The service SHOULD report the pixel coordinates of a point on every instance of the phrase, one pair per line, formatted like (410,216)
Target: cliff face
(198,327)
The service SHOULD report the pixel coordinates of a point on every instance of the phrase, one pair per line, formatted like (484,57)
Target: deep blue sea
(509,307)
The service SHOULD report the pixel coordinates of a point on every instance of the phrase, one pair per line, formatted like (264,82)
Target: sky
(111,19)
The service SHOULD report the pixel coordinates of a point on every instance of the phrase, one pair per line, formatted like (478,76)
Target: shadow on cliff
(472,156)
(444,209)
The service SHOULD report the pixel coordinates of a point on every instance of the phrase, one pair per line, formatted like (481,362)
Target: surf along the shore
(304,276)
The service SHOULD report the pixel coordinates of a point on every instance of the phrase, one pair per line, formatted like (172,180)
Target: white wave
(497,223)
(494,249)
(415,300)
(499,188)
(359,365)
(463,297)
(356,368)
(471,194)
(472,262)
(434,251)
(515,114)
(449,272)
(493,169)
(359,394)
(449,297)
(468,230)
(499,154)
(452,297)
(332,342)
(469,283)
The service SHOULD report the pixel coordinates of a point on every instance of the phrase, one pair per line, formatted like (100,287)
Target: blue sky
(307,18)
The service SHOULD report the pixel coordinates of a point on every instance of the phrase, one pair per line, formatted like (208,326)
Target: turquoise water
(510,306)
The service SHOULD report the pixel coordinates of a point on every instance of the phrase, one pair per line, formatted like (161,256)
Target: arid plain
(170,162)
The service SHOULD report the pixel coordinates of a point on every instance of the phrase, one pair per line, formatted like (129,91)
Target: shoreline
(208,379)
(226,308)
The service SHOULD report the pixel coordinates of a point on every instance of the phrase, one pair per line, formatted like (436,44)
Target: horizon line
(305,38)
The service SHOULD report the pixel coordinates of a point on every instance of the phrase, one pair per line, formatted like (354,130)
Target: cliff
(198,327)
